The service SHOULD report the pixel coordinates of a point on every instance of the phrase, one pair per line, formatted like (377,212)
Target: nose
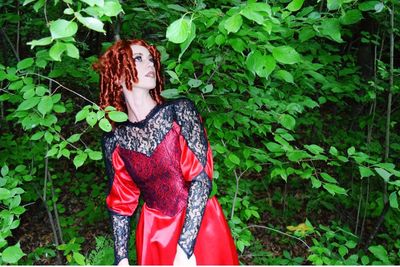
(150,62)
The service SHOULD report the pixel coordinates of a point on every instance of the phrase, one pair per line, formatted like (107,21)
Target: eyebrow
(141,54)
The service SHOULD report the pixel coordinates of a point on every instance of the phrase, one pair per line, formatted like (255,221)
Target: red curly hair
(117,63)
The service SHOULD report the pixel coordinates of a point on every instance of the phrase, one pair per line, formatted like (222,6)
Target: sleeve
(197,167)
(122,198)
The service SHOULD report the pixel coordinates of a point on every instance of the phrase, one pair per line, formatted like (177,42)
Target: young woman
(162,154)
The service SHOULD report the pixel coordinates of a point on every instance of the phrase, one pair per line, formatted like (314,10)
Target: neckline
(149,115)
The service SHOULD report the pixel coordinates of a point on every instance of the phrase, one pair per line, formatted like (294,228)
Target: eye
(151,59)
(138,58)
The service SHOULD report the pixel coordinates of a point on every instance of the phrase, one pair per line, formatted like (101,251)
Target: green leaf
(334,189)
(45,105)
(297,155)
(89,2)
(40,42)
(328,178)
(27,2)
(379,7)
(314,149)
(90,22)
(315,182)
(179,30)
(333,151)
(351,17)
(41,90)
(334,4)
(365,172)
(62,28)
(393,200)
(252,14)
(16,85)
(105,125)
(118,116)
(260,64)
(72,51)
(12,254)
(286,55)
(343,250)
(68,11)
(81,115)
(379,252)
(351,244)
(4,193)
(235,159)
(237,44)
(177,8)
(56,51)
(331,28)
(112,8)
(48,137)
(80,159)
(287,121)
(194,83)
(295,5)
(364,260)
(29,103)
(51,152)
(25,63)
(383,173)
(95,155)
(4,170)
(306,33)
(207,89)
(74,138)
(37,136)
(188,41)
(368,6)
(173,75)
(170,93)
(233,23)
(91,118)
(285,76)
(79,258)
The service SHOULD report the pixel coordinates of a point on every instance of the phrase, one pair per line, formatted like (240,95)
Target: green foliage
(282,94)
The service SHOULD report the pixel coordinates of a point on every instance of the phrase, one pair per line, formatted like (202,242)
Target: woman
(161,153)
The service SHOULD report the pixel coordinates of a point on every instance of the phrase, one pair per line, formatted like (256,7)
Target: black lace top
(151,154)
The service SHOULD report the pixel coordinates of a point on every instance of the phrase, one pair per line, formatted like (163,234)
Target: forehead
(138,49)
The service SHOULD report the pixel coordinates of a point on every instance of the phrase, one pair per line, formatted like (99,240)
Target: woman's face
(146,72)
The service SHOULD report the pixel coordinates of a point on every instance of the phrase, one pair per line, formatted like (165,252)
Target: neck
(139,103)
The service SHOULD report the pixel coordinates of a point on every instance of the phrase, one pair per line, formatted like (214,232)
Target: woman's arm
(122,198)
(196,165)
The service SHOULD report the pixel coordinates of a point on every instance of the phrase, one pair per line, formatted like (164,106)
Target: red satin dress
(159,158)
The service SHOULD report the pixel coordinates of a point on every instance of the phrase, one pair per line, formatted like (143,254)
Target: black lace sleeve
(193,132)
(120,223)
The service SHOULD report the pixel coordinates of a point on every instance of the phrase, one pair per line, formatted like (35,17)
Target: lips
(151,74)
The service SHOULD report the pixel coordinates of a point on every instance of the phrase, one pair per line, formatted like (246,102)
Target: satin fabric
(123,197)
(157,234)
(157,237)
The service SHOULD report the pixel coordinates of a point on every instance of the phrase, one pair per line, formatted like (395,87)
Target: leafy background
(300,100)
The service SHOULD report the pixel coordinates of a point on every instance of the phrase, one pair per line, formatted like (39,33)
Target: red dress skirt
(157,237)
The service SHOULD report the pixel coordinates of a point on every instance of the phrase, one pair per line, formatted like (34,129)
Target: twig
(235,196)
(9,42)
(278,231)
(18,27)
(55,209)
(62,86)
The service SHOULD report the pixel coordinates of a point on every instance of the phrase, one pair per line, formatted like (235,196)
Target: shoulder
(182,105)
(109,141)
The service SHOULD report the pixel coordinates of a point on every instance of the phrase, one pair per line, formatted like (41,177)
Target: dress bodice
(159,176)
